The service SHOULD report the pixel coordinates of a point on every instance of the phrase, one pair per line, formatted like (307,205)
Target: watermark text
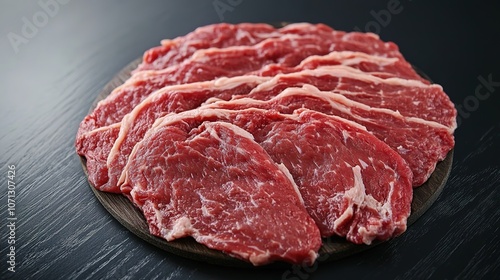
(382,18)
(223,6)
(31,25)
(470,104)
(11,217)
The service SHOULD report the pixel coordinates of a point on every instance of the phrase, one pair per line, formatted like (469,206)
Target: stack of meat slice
(259,141)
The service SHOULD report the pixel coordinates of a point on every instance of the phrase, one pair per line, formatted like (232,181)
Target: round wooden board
(333,248)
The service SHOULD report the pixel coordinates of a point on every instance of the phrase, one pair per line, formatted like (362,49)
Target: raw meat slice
(409,97)
(204,65)
(95,145)
(214,183)
(115,145)
(352,183)
(271,168)
(207,64)
(224,35)
(384,67)
(172,99)
(219,35)
(421,143)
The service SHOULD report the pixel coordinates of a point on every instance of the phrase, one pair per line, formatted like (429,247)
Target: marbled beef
(213,182)
(352,184)
(421,143)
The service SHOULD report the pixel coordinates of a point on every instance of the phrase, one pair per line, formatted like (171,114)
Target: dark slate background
(49,80)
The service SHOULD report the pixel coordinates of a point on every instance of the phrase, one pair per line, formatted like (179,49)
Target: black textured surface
(47,86)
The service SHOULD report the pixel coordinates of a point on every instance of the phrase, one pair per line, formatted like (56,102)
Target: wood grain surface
(333,248)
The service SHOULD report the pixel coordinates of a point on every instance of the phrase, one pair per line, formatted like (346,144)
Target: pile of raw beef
(259,141)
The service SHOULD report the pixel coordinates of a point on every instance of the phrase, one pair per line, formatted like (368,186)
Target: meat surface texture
(224,35)
(204,65)
(178,98)
(212,36)
(207,64)
(411,98)
(421,143)
(95,146)
(214,183)
(379,66)
(172,99)
(258,141)
(352,184)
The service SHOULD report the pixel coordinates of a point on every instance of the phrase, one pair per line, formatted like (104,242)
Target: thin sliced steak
(421,143)
(214,183)
(353,184)
(180,98)
(257,141)
(95,145)
(225,35)
(220,35)
(204,65)
(384,67)
(207,64)
(172,99)
(410,97)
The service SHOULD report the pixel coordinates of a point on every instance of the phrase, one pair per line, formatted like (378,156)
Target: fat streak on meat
(352,184)
(179,98)
(214,183)
(380,66)
(226,35)
(220,35)
(145,141)
(411,98)
(421,143)
(204,65)
(422,153)
(207,64)
(172,99)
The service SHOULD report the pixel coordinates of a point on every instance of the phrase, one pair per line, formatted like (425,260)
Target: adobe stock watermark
(482,92)
(223,6)
(10,177)
(31,26)
(382,18)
